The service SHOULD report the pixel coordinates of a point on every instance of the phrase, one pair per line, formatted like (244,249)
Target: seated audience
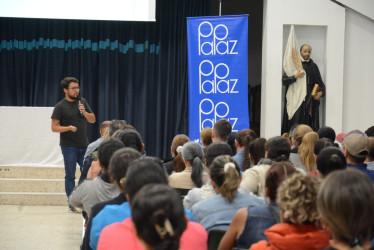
(206,191)
(369,161)
(248,225)
(347,211)
(276,149)
(131,138)
(300,221)
(221,130)
(216,213)
(92,191)
(257,150)
(176,162)
(242,148)
(158,222)
(88,159)
(117,170)
(297,138)
(140,172)
(356,148)
(328,133)
(321,144)
(330,159)
(306,151)
(231,141)
(206,137)
(194,174)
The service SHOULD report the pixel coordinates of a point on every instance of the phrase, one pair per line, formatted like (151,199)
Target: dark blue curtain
(135,71)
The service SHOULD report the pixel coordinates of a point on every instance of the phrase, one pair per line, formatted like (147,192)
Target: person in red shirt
(158,222)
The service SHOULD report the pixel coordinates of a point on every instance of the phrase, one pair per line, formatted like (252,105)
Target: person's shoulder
(61,103)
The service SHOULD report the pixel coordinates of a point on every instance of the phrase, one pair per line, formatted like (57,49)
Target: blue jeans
(72,156)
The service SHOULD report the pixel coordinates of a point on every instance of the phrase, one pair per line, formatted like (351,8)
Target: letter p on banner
(217,72)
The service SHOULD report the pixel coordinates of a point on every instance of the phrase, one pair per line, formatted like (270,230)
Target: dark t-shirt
(68,114)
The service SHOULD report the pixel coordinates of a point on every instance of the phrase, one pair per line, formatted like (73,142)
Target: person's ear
(172,151)
(213,135)
(236,143)
(142,148)
(100,164)
(266,154)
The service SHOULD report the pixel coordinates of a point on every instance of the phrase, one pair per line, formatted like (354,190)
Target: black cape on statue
(308,112)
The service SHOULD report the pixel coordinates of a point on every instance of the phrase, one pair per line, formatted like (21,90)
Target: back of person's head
(119,163)
(356,144)
(330,159)
(278,148)
(107,149)
(299,132)
(346,203)
(104,126)
(306,150)
(178,140)
(327,132)
(370,131)
(321,144)
(257,149)
(225,173)
(116,125)
(216,149)
(206,136)
(222,129)
(370,156)
(158,215)
(278,172)
(296,198)
(231,141)
(131,138)
(193,153)
(143,171)
(245,137)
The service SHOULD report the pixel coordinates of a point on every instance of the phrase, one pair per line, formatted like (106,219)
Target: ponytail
(231,182)
(197,171)
(225,173)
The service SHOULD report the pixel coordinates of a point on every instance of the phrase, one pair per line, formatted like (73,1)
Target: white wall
(26,137)
(310,13)
(358,73)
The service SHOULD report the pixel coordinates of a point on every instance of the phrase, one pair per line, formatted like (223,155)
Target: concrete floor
(39,227)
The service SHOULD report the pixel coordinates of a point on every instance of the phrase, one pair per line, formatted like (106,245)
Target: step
(33,185)
(28,198)
(32,172)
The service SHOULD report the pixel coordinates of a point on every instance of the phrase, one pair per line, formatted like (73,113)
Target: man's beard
(73,97)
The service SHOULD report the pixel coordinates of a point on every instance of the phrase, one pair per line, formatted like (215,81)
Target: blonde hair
(296,198)
(306,150)
(225,173)
(299,132)
(346,202)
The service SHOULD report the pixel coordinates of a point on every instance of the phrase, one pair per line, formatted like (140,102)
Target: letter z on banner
(217,72)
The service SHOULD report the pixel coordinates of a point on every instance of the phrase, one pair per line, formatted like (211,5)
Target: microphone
(79,102)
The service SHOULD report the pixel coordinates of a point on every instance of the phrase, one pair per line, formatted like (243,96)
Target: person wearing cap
(356,146)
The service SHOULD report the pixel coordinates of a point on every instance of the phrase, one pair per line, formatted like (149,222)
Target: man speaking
(69,118)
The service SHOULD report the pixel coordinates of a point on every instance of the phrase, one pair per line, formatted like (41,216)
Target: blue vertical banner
(217,72)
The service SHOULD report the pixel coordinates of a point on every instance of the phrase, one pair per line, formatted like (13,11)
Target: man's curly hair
(297,197)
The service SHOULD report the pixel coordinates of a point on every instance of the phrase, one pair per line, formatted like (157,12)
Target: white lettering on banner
(211,43)
(219,83)
(212,114)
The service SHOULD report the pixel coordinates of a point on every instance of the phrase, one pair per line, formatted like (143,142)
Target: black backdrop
(135,71)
